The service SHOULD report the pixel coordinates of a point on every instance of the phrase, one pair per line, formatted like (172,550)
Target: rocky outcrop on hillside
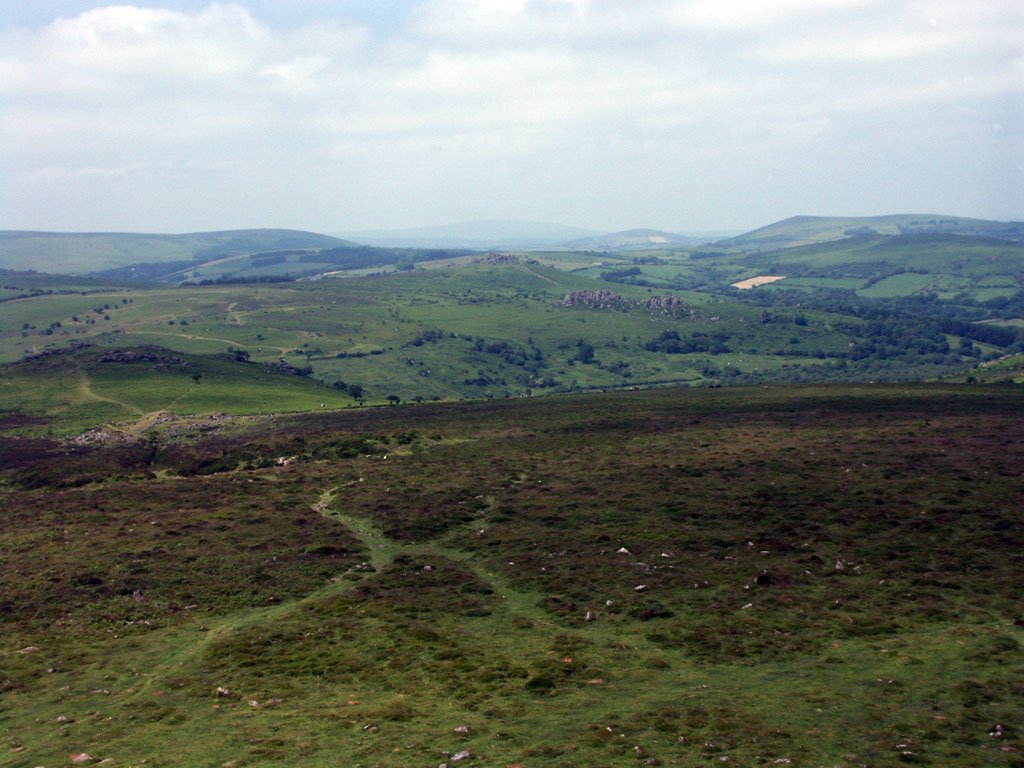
(600,299)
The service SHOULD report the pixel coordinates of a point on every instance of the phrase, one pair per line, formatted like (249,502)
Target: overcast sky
(685,115)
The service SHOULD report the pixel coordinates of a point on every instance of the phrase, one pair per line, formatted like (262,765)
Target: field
(503,328)
(799,576)
(478,330)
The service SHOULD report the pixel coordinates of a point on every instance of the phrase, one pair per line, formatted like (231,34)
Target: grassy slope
(813,595)
(521,304)
(805,230)
(70,393)
(94,251)
(370,330)
(878,266)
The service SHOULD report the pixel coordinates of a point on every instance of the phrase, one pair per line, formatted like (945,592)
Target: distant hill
(635,239)
(81,252)
(478,235)
(809,230)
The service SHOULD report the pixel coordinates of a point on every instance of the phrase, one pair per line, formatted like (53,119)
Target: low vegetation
(799,576)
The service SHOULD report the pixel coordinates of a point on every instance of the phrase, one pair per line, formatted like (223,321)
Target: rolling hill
(635,239)
(807,230)
(478,235)
(82,252)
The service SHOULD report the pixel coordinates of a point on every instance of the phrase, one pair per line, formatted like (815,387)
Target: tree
(584,352)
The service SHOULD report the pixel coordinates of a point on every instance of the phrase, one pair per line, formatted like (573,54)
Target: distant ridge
(81,252)
(636,239)
(496,234)
(810,230)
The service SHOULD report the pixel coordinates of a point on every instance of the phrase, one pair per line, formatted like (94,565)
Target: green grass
(488,530)
(905,284)
(369,330)
(329,324)
(72,392)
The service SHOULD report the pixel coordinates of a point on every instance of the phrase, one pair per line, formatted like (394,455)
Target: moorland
(271,498)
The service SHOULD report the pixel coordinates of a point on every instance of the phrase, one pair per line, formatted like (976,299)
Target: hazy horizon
(689,116)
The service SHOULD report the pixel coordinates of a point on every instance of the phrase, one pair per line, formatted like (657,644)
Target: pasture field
(797,576)
(479,330)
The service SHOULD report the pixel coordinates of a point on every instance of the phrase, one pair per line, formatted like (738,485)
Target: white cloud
(478,100)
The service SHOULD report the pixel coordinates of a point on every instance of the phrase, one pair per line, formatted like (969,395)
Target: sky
(345,115)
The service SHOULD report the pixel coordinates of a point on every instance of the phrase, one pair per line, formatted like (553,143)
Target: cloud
(476,100)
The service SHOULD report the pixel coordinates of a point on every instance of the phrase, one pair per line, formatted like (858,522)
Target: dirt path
(542,277)
(236,317)
(89,395)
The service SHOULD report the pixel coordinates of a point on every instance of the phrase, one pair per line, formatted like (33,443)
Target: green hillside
(85,387)
(70,252)
(511,328)
(806,230)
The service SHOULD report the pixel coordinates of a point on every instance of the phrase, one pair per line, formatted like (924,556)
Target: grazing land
(777,576)
(490,326)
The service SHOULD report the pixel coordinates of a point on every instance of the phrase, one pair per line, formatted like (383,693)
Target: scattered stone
(840,565)
(64,719)
(642,567)
(80,758)
(223,691)
(623,551)
(590,616)
(461,729)
(253,703)
(371,728)
(137,595)
(997,731)
(29,649)
(459,756)
(640,588)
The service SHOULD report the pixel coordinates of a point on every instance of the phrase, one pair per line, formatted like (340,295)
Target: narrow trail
(183,647)
(89,395)
(191,646)
(381,549)
(542,277)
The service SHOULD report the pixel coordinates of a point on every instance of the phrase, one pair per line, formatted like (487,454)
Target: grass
(831,577)
(71,392)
